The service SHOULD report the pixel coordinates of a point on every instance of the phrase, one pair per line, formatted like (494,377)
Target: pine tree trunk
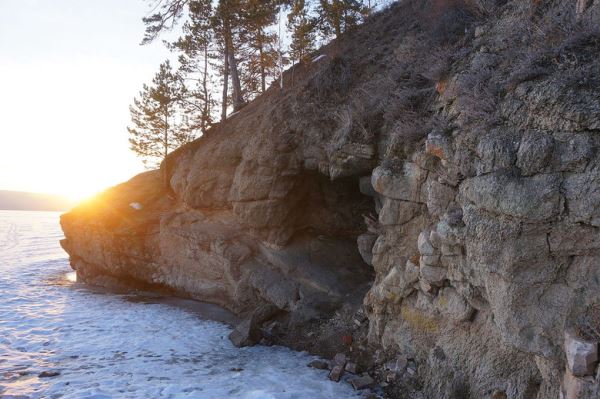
(263,82)
(337,18)
(164,167)
(225,83)
(206,108)
(166,133)
(238,100)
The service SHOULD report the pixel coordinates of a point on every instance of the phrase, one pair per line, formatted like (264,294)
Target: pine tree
(227,24)
(166,14)
(194,48)
(262,61)
(239,35)
(224,22)
(155,119)
(302,27)
(336,16)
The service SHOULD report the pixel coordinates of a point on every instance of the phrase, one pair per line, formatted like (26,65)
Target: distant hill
(23,201)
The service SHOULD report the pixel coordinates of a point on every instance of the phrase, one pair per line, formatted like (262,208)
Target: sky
(68,71)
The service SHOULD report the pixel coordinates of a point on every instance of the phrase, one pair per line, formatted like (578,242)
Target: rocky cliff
(438,170)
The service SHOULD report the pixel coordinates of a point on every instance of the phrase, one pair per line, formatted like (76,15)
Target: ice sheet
(106,346)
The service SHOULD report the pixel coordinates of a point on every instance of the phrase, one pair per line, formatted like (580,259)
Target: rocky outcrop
(208,254)
(439,165)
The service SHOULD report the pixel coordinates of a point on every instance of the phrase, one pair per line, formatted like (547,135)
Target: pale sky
(68,71)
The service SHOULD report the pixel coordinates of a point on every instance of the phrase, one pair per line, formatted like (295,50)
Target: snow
(136,205)
(111,346)
(319,58)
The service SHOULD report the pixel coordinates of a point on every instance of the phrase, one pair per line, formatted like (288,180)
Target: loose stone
(362,382)
(319,364)
(336,373)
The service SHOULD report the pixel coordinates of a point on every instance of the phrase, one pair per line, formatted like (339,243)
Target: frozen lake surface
(112,346)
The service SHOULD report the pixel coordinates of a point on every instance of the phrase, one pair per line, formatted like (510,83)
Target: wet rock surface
(458,210)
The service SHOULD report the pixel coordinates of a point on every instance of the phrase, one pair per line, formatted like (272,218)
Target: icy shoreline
(106,345)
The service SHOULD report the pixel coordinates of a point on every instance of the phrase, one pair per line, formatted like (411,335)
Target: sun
(76,186)
(88,179)
(78,194)
(81,176)
(75,167)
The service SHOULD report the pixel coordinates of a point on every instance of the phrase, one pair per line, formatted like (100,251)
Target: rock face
(470,145)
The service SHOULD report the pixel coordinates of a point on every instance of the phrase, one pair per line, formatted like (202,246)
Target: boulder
(452,305)
(340,360)
(319,364)
(433,275)
(248,332)
(573,387)
(336,373)
(496,151)
(403,185)
(572,152)
(365,243)
(582,193)
(398,365)
(535,198)
(429,260)
(535,151)
(582,355)
(439,197)
(438,145)
(398,212)
(424,245)
(351,368)
(398,283)
(362,382)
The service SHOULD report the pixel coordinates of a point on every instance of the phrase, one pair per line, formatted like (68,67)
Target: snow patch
(137,206)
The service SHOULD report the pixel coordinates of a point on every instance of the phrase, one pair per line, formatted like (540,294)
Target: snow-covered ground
(106,346)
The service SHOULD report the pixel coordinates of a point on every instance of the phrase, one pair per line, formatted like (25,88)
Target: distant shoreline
(25,201)
(34,210)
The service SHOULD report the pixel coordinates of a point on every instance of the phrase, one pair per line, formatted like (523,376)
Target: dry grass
(387,80)
(449,20)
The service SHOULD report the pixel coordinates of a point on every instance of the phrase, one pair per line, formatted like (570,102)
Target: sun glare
(78,194)
(66,97)
(81,180)
(84,149)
